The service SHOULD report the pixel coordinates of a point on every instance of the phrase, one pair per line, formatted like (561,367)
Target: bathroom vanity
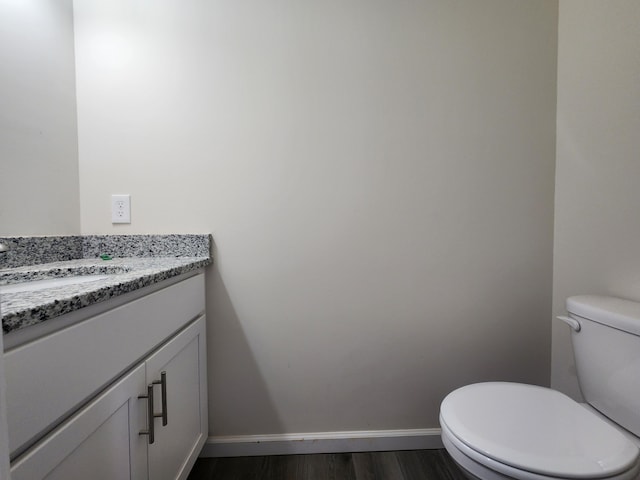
(113,389)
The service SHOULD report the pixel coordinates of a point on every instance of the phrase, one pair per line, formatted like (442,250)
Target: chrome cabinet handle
(150,415)
(163,388)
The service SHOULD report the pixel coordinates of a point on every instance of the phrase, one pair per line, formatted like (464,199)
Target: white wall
(377,176)
(39,191)
(597,223)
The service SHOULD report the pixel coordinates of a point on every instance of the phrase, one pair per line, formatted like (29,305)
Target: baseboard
(322,442)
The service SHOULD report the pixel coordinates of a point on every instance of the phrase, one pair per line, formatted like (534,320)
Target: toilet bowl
(502,430)
(499,431)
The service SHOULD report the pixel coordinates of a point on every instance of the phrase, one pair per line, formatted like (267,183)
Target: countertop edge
(23,318)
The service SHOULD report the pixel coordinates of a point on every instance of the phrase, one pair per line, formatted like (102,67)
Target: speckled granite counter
(143,261)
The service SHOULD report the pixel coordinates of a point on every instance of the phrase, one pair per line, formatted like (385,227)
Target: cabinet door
(100,442)
(178,444)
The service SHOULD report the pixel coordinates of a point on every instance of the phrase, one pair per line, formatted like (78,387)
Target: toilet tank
(607,355)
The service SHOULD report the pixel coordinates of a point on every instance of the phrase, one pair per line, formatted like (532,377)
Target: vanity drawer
(49,378)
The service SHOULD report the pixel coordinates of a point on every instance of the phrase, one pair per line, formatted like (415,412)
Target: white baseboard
(322,442)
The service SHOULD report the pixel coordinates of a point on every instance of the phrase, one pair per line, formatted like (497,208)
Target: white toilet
(502,430)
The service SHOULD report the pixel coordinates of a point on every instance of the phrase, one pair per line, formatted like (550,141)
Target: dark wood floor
(403,465)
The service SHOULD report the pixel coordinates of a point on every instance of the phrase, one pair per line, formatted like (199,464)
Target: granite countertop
(118,276)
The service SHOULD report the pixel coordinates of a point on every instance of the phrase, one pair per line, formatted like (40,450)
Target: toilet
(502,430)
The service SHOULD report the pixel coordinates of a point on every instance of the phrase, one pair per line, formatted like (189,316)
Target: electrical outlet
(120,208)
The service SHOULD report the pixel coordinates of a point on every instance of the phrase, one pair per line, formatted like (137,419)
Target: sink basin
(50,283)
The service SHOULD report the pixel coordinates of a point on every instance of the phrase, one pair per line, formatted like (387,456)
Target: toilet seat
(484,467)
(530,432)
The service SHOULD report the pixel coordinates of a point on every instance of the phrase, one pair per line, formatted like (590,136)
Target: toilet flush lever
(572,322)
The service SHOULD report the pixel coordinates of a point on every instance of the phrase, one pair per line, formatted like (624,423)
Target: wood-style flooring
(402,465)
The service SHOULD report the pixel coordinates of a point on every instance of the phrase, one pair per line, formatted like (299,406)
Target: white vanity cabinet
(101,438)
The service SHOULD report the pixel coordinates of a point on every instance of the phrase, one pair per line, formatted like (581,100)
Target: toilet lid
(537,430)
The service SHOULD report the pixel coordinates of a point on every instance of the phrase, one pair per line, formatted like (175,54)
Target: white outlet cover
(120,208)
